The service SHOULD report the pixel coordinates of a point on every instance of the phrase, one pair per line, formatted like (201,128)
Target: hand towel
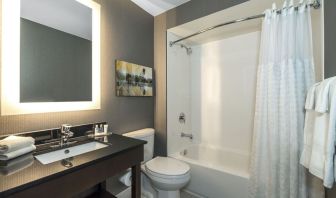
(309,126)
(329,175)
(14,154)
(17,164)
(321,126)
(322,100)
(13,143)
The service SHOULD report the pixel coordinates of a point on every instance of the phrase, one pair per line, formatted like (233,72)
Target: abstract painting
(133,79)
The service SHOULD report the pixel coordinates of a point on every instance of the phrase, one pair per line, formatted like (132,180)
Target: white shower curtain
(286,71)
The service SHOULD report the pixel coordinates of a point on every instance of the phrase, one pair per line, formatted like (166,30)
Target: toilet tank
(146,135)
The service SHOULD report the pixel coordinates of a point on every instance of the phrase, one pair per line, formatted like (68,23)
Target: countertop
(35,172)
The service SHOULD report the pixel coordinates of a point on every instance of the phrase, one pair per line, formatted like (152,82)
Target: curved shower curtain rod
(316,4)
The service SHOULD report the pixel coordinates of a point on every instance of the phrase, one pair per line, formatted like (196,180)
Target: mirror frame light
(10,65)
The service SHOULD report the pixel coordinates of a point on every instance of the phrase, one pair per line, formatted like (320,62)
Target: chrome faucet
(190,136)
(65,134)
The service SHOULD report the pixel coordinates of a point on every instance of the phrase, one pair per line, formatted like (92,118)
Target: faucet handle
(70,134)
(65,128)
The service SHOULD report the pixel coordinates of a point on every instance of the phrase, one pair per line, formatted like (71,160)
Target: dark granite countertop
(35,172)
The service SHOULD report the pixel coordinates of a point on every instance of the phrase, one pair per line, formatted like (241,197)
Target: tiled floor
(127,194)
(187,195)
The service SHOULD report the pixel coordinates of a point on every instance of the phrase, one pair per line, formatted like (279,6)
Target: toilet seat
(166,167)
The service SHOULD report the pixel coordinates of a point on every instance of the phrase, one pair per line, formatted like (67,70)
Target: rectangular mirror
(50,56)
(55,51)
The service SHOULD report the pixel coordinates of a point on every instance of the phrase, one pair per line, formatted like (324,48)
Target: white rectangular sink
(58,155)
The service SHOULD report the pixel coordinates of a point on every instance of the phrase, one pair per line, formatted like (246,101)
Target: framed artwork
(133,79)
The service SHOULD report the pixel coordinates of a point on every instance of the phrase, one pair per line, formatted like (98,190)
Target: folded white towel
(329,175)
(17,164)
(13,143)
(14,154)
(309,126)
(321,127)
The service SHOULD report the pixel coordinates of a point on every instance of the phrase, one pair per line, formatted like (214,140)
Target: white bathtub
(216,173)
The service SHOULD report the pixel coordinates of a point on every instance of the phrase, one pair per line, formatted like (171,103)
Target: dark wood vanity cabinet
(72,183)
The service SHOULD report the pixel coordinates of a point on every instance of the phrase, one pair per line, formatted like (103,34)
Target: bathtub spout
(190,136)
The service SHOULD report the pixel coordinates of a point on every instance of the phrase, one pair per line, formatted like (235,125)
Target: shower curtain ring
(316,4)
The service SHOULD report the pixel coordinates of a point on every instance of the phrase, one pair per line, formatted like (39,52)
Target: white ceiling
(68,16)
(242,10)
(249,8)
(156,7)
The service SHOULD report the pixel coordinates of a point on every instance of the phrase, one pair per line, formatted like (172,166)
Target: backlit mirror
(50,56)
(55,51)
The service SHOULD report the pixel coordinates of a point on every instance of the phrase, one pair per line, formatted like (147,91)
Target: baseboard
(193,193)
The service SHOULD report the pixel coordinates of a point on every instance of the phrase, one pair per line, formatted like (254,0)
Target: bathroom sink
(65,153)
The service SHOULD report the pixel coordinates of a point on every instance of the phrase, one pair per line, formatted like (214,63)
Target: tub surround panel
(179,90)
(182,14)
(223,83)
(127,34)
(218,99)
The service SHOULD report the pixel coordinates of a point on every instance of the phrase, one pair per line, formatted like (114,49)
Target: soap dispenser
(96,130)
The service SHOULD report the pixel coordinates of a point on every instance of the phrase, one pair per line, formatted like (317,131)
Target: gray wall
(330,38)
(126,34)
(185,13)
(330,51)
(55,66)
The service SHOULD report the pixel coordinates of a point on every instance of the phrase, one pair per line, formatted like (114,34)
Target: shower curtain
(286,71)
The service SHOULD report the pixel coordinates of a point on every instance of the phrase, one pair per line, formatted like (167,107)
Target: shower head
(188,49)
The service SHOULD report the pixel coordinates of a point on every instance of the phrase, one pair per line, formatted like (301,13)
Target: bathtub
(216,173)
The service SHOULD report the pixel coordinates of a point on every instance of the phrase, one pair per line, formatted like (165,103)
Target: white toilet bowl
(168,176)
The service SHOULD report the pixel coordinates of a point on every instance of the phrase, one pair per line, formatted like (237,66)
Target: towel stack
(14,146)
(320,131)
(16,165)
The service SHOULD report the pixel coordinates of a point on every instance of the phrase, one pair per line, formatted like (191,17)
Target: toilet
(167,175)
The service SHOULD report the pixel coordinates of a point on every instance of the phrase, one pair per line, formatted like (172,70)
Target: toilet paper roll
(126,178)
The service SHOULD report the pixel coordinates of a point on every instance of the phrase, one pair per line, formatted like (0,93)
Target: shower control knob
(182,118)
